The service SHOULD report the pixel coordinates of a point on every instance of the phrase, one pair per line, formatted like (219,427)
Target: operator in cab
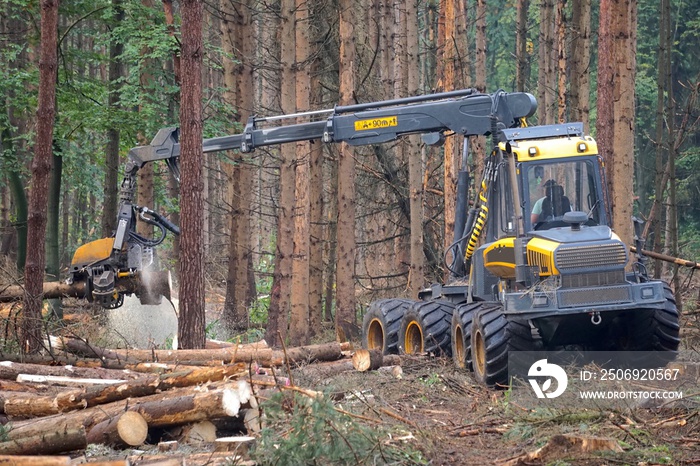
(553,204)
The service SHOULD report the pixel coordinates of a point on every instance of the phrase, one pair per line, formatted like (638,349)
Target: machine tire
(492,337)
(425,328)
(380,325)
(461,334)
(658,331)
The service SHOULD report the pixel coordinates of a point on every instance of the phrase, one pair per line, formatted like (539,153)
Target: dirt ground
(439,415)
(442,412)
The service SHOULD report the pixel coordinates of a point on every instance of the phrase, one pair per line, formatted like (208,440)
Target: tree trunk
(128,429)
(116,71)
(237,29)
(30,335)
(479,142)
(345,318)
(48,442)
(522,69)
(579,90)
(299,298)
(53,259)
(191,324)
(285,221)
(446,64)
(316,196)
(545,73)
(617,61)
(263,356)
(561,60)
(415,162)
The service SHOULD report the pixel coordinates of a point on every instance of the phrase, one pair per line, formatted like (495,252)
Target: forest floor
(440,415)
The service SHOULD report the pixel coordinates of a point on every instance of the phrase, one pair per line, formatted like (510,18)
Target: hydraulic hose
(479,223)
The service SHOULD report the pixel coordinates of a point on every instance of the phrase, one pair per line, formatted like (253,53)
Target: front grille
(592,296)
(595,256)
(541,261)
(582,280)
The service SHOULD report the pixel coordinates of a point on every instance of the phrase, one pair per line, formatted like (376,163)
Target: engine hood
(564,235)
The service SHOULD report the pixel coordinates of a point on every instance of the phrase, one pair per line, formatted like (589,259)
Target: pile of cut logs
(124,399)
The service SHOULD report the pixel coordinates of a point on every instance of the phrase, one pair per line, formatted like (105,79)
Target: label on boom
(376,123)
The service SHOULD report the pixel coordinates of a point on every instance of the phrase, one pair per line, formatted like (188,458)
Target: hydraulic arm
(462,112)
(105,265)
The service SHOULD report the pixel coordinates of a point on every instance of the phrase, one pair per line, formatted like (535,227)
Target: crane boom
(464,112)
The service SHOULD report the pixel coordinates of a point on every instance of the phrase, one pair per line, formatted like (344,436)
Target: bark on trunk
(264,357)
(46,442)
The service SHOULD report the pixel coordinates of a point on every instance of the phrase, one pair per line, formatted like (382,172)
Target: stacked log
(124,398)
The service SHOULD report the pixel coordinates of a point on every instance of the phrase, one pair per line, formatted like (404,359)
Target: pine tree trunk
(116,71)
(415,163)
(345,318)
(579,90)
(191,324)
(522,70)
(299,316)
(30,334)
(561,61)
(316,195)
(617,61)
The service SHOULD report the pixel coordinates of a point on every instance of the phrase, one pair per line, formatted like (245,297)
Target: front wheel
(493,336)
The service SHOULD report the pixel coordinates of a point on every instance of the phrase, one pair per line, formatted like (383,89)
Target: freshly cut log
(83,348)
(25,406)
(197,433)
(13,460)
(262,356)
(371,360)
(367,360)
(11,370)
(158,284)
(217,344)
(128,429)
(45,442)
(12,386)
(172,407)
(51,290)
(158,367)
(239,445)
(252,420)
(66,381)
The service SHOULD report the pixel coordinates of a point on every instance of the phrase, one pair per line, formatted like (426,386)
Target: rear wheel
(461,334)
(492,337)
(425,328)
(380,326)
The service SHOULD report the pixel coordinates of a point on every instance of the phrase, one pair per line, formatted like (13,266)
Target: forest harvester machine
(534,263)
